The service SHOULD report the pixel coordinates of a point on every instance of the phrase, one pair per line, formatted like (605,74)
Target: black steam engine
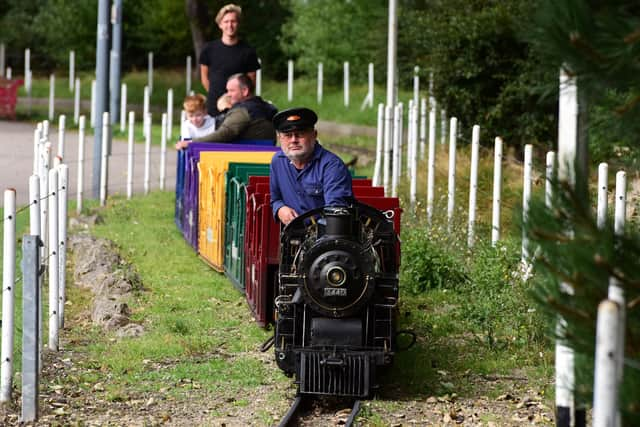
(336,303)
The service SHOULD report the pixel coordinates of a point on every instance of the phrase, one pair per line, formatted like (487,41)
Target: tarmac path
(16,162)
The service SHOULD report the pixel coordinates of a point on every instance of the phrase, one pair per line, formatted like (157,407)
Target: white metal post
(616,291)
(416,84)
(53,260)
(123,106)
(603,200)
(410,120)
(414,155)
(320,82)
(473,184)
(163,151)
(92,116)
(72,68)
(8,292)
(431,159)
(290,80)
(550,177)
(423,127)
(147,155)
(145,111)
(45,152)
(130,145)
(395,167)
(169,113)
(52,95)
(35,230)
(451,189)
(346,83)
(63,185)
(379,145)
(392,42)
(497,191)
(526,200)
(188,76)
(608,352)
(76,101)
(388,136)
(258,79)
(80,189)
(104,168)
(443,126)
(150,72)
(37,135)
(62,122)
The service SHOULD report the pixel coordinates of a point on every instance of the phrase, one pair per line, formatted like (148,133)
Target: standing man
(226,56)
(304,175)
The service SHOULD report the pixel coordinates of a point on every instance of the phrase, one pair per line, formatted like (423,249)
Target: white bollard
(409,137)
(145,110)
(526,200)
(397,136)
(52,95)
(8,293)
(346,83)
(147,154)
(258,80)
(388,141)
(603,174)
(62,123)
(320,81)
(27,71)
(451,188)
(379,145)
(608,352)
(63,185)
(80,189)
(399,121)
(130,145)
(169,113)
(550,178)
(92,116)
(473,184)
(9,73)
(150,71)
(72,68)
(104,168)
(188,72)
(290,80)
(368,100)
(497,191)
(53,260)
(431,159)
(163,151)
(423,127)
(123,106)
(76,102)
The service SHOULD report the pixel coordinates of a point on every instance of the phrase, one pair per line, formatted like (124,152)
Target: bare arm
(204,76)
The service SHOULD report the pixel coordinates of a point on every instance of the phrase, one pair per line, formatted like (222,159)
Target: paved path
(16,162)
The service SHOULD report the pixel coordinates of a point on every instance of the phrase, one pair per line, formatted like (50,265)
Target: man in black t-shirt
(226,56)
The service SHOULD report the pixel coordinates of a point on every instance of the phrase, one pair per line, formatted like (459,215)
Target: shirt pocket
(313,191)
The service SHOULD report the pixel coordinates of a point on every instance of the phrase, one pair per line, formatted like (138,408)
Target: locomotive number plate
(335,292)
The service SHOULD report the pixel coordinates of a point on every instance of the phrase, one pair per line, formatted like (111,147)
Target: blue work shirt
(324,181)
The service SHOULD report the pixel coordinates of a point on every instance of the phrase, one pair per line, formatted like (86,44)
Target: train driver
(304,175)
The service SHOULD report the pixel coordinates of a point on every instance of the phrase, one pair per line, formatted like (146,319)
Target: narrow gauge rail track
(295,416)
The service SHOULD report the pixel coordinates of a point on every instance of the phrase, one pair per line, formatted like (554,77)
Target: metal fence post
(53,260)
(8,293)
(30,329)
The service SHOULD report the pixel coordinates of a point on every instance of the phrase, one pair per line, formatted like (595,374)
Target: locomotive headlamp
(336,276)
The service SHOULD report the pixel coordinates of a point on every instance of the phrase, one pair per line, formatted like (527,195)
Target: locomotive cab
(336,299)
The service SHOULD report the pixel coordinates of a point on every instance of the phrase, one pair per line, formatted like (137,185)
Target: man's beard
(298,156)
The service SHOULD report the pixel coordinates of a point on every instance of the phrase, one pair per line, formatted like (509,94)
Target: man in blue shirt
(304,175)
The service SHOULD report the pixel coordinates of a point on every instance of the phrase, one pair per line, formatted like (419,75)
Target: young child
(198,122)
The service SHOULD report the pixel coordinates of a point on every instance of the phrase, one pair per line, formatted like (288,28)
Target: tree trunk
(197,12)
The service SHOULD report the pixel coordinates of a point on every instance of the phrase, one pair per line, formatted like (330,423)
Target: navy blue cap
(294,119)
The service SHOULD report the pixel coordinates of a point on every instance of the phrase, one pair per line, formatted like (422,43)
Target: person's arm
(204,76)
(280,211)
(233,125)
(337,189)
(252,76)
